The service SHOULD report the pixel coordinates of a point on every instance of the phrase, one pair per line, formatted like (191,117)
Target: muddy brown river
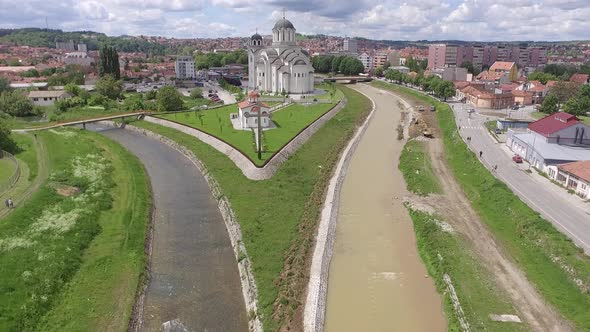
(377,281)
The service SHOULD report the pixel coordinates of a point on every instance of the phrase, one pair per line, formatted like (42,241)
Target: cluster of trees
(470,68)
(109,62)
(206,61)
(36,37)
(417,66)
(569,96)
(60,77)
(434,84)
(6,141)
(347,65)
(13,102)
(557,72)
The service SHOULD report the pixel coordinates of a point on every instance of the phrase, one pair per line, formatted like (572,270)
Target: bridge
(350,79)
(83,122)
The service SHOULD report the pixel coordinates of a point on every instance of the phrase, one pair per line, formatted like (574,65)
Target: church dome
(283,24)
(256,36)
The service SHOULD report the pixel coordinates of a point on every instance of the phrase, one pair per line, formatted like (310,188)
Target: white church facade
(283,66)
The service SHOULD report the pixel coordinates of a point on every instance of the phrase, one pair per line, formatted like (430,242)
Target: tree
(109,62)
(72,88)
(134,103)
(542,77)
(550,104)
(109,87)
(169,99)
(469,66)
(6,141)
(197,93)
(578,105)
(378,72)
(336,63)
(445,89)
(151,95)
(564,91)
(4,84)
(15,103)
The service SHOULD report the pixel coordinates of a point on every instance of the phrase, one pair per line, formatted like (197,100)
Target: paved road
(568,213)
(194,284)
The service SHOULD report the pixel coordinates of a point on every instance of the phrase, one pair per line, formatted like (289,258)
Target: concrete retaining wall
(315,304)
(249,289)
(250,170)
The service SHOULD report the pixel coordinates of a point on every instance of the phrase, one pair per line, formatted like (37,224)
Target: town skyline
(468,20)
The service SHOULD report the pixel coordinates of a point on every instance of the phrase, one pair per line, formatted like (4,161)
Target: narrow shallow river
(377,281)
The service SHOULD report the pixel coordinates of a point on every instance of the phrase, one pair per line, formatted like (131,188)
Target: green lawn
(7,169)
(550,260)
(73,114)
(290,121)
(278,216)
(27,153)
(72,261)
(417,169)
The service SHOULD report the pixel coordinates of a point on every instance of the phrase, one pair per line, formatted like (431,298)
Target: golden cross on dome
(283,12)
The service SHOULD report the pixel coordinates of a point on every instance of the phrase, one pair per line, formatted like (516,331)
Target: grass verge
(27,153)
(72,254)
(444,252)
(417,169)
(290,121)
(551,261)
(278,216)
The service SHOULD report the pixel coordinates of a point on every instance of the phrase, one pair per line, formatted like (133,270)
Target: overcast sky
(482,20)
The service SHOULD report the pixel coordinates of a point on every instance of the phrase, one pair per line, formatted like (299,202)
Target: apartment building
(379,59)
(185,68)
(444,55)
(350,45)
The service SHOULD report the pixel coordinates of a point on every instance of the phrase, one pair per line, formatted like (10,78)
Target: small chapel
(248,112)
(282,66)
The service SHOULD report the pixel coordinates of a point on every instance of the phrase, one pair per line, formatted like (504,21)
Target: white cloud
(378,19)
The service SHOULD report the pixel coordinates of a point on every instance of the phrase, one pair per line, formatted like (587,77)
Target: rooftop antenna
(46,24)
(283,12)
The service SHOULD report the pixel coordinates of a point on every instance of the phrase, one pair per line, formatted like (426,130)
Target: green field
(72,255)
(7,169)
(278,216)
(417,169)
(551,261)
(27,153)
(290,121)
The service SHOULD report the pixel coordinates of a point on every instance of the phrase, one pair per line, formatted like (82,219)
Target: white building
(248,112)
(350,45)
(281,67)
(575,176)
(367,61)
(47,98)
(185,68)
(78,58)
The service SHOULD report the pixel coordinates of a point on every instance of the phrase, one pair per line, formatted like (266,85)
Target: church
(283,66)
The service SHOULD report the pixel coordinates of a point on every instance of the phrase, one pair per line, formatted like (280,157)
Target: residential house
(522,97)
(493,79)
(47,98)
(509,68)
(481,98)
(574,176)
(248,112)
(553,140)
(580,78)
(537,90)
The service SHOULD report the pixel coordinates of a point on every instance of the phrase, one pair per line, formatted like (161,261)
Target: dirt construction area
(456,209)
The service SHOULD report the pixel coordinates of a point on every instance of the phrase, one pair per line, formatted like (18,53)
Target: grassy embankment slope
(72,255)
(278,216)
(7,169)
(474,286)
(290,121)
(551,261)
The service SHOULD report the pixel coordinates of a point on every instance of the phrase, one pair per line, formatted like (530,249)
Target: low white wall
(244,164)
(317,287)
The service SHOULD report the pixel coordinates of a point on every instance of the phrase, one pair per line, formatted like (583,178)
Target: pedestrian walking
(480,153)
(495,168)
(10,203)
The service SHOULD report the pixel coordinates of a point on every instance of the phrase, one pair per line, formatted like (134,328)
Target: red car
(517,159)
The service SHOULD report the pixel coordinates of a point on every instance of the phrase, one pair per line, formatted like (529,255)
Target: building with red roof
(575,176)
(249,111)
(580,78)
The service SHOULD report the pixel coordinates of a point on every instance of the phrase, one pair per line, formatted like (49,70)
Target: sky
(478,20)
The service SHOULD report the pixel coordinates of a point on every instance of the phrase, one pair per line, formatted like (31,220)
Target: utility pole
(259,110)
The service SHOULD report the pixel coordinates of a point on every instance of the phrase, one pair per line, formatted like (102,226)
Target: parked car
(498,131)
(421,108)
(517,159)
(471,110)
(432,108)
(515,107)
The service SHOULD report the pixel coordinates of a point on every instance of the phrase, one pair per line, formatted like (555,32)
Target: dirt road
(454,206)
(377,281)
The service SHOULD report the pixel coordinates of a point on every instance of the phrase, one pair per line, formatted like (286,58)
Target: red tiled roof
(469,90)
(553,123)
(520,93)
(460,84)
(246,103)
(489,76)
(551,83)
(502,66)
(580,169)
(579,78)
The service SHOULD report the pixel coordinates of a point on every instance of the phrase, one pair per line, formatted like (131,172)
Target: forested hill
(36,37)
